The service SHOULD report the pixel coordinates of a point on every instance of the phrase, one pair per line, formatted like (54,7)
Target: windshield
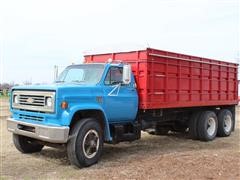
(85,73)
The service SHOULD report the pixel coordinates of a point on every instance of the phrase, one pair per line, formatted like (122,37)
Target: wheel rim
(227,123)
(211,126)
(90,143)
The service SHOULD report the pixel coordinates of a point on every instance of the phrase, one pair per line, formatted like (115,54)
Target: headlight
(15,99)
(49,101)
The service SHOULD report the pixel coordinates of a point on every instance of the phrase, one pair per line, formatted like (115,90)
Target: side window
(114,76)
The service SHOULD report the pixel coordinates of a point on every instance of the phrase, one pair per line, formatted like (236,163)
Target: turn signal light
(64,105)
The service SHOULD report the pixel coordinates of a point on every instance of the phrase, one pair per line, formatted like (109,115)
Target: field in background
(153,157)
(4,106)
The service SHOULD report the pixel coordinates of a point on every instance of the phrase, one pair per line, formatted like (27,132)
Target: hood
(54,86)
(36,87)
(64,90)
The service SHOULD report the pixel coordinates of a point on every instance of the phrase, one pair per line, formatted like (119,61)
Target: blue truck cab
(87,105)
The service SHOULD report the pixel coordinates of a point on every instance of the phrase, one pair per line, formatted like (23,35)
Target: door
(120,101)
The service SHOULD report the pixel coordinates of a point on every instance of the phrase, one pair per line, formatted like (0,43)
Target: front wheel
(25,144)
(85,145)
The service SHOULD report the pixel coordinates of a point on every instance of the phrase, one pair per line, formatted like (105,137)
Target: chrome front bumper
(53,134)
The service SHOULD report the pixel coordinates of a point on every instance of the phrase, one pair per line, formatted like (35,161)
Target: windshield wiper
(77,81)
(58,81)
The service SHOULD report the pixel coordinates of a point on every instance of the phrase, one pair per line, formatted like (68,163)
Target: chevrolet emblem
(30,100)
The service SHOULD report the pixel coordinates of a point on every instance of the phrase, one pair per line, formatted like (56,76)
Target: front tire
(85,145)
(207,126)
(25,144)
(225,123)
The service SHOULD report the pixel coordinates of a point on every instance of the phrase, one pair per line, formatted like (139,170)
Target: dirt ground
(152,157)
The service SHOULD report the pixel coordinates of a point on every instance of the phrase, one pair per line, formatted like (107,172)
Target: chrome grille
(29,117)
(33,100)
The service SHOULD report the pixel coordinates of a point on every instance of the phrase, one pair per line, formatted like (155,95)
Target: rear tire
(25,144)
(225,123)
(193,124)
(207,126)
(85,145)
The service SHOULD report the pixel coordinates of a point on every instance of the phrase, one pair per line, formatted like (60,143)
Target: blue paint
(118,105)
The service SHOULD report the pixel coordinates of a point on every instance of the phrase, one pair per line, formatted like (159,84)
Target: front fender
(67,116)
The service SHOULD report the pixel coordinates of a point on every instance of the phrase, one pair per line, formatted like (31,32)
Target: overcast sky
(36,35)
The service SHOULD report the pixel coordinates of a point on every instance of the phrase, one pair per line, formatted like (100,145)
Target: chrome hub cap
(211,126)
(90,143)
(227,123)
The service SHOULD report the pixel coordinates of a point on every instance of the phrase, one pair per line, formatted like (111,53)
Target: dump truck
(111,97)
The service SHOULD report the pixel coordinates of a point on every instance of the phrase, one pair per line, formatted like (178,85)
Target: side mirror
(127,70)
